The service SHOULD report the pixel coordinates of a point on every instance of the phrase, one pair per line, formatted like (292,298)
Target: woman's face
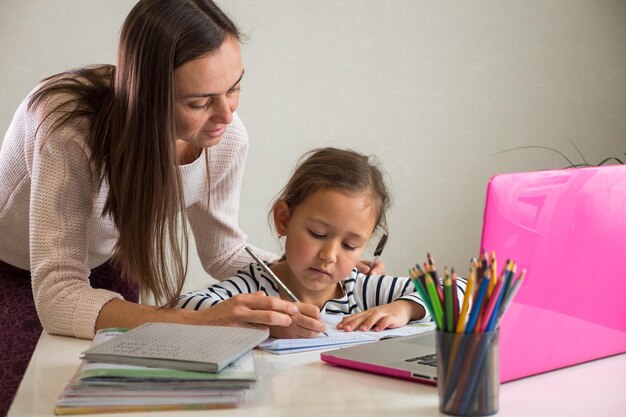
(206,93)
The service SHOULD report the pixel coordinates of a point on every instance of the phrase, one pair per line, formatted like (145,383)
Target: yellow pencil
(494,274)
(460,325)
(469,292)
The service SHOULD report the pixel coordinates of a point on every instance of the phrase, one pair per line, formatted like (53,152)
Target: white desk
(301,385)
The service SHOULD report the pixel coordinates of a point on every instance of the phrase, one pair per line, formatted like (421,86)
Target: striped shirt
(360,291)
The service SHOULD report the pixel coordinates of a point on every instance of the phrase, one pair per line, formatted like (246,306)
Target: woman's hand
(365,267)
(246,310)
(306,324)
(388,316)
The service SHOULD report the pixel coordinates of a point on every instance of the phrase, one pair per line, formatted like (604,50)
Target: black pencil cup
(468,373)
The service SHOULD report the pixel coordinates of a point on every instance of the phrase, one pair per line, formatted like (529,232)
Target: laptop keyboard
(430,359)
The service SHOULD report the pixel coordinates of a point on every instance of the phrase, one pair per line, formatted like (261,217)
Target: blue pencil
(494,313)
(478,302)
(508,276)
(509,297)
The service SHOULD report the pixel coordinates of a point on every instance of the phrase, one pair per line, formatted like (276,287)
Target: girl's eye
(316,235)
(348,247)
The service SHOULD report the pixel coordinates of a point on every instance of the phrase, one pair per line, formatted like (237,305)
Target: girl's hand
(388,316)
(246,310)
(365,267)
(306,324)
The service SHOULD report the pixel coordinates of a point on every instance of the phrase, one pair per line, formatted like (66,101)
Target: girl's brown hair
(132,135)
(337,169)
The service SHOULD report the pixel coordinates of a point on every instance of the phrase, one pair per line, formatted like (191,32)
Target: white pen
(273,275)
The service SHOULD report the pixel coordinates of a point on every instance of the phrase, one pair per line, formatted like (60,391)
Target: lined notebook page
(338,337)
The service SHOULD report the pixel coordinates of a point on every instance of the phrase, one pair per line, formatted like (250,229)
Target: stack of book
(116,386)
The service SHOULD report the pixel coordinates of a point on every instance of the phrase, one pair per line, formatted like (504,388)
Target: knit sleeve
(214,220)
(243,282)
(61,201)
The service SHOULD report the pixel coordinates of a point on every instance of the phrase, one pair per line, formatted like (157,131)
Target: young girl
(327,213)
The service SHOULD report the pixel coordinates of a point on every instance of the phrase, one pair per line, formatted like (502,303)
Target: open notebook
(568,229)
(337,338)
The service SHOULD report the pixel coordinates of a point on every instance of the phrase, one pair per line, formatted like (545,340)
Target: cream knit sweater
(50,221)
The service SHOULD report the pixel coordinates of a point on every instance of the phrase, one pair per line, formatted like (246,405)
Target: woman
(101,167)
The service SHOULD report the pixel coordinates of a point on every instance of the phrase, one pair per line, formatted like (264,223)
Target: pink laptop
(568,229)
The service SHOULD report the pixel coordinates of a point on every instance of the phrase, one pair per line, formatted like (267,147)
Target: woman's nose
(223,111)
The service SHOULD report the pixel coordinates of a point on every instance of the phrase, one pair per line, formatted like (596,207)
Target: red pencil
(488,311)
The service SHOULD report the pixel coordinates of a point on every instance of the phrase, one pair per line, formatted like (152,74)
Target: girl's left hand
(388,316)
(365,267)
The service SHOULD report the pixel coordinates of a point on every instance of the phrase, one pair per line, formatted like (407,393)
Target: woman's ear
(281,218)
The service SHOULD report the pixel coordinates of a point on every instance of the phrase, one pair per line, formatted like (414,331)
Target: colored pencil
(455,299)
(478,303)
(469,292)
(494,314)
(509,297)
(494,272)
(422,292)
(486,275)
(510,274)
(460,324)
(491,304)
(448,302)
(431,268)
(434,299)
(421,276)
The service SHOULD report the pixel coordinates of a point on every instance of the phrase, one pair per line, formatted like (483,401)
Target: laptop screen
(568,229)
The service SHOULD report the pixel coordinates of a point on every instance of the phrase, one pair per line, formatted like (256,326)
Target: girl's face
(206,93)
(325,236)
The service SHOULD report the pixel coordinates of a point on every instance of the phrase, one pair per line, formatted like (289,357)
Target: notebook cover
(178,346)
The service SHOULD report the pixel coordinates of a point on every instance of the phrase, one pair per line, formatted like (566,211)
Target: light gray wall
(434,88)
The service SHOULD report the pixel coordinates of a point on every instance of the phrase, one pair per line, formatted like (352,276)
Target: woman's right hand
(250,310)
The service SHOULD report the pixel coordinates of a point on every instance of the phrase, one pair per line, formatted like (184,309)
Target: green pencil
(434,299)
(422,292)
(449,302)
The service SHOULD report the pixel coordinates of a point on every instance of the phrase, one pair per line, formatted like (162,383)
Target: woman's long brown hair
(132,136)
